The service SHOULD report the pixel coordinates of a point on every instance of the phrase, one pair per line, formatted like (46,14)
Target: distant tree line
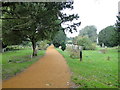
(87,38)
(108,36)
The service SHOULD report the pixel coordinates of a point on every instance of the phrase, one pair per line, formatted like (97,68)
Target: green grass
(95,71)
(21,59)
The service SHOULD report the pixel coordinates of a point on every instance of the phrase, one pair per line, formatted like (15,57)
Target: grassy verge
(97,70)
(20,60)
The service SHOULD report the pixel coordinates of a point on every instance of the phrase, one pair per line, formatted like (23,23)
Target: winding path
(51,71)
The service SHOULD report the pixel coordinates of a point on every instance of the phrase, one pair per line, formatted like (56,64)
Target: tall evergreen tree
(118,28)
(34,21)
(108,37)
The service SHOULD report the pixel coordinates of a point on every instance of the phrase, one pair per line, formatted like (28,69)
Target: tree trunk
(34,48)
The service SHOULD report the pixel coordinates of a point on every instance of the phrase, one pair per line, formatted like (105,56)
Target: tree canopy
(34,21)
(60,39)
(90,32)
(118,28)
(108,36)
(85,42)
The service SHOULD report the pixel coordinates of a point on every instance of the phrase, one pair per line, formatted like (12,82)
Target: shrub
(63,46)
(89,47)
(74,53)
(13,47)
(86,43)
(56,44)
(43,45)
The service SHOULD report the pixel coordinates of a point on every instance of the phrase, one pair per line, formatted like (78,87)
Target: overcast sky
(101,13)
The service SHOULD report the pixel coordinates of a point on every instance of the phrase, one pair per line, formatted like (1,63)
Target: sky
(101,13)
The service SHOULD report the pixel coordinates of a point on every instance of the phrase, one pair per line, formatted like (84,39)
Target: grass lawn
(21,59)
(95,71)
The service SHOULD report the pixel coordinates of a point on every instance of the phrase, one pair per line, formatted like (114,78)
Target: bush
(63,46)
(74,53)
(93,46)
(89,47)
(13,48)
(43,45)
(86,43)
(56,45)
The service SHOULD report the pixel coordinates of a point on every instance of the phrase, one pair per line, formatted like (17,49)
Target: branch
(22,25)
(14,18)
(8,18)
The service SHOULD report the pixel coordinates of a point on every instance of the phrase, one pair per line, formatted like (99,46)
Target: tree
(118,28)
(39,21)
(90,32)
(85,42)
(29,25)
(60,39)
(108,37)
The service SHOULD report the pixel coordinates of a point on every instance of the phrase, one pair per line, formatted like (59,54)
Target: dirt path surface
(51,71)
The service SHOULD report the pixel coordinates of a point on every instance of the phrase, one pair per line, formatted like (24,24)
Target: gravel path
(51,71)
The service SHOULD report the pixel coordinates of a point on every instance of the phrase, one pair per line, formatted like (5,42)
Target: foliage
(108,36)
(90,32)
(74,53)
(39,21)
(60,40)
(26,43)
(63,46)
(43,45)
(95,71)
(118,28)
(85,42)
(12,38)
(118,24)
(69,40)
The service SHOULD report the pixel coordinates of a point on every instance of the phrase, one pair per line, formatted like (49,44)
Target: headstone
(103,45)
